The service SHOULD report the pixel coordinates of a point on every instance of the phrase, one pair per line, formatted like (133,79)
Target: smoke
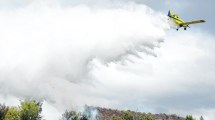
(50,52)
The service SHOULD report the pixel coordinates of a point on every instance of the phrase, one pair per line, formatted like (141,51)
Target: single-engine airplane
(180,23)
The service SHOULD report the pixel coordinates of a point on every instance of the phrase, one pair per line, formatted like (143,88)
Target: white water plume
(48,52)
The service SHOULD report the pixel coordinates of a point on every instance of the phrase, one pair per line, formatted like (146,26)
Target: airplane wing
(193,22)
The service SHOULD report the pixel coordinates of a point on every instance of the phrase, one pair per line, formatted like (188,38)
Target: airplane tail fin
(170,13)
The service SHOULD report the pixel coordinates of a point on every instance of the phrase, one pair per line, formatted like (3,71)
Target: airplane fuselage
(180,23)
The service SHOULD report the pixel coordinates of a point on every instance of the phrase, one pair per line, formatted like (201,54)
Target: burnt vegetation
(98,113)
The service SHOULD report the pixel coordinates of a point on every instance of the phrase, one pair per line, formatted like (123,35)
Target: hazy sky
(117,54)
(188,10)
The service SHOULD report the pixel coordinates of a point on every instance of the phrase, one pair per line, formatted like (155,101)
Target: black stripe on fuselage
(176,19)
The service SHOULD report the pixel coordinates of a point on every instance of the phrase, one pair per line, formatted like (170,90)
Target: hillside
(110,114)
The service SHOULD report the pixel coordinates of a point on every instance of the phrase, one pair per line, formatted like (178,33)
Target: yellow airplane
(180,23)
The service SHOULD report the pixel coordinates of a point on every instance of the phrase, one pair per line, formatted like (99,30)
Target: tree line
(28,110)
(31,110)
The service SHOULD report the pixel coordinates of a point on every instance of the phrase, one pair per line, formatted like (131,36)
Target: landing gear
(185,28)
(177,29)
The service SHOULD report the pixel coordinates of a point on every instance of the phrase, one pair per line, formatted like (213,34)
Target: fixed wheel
(185,28)
(177,29)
